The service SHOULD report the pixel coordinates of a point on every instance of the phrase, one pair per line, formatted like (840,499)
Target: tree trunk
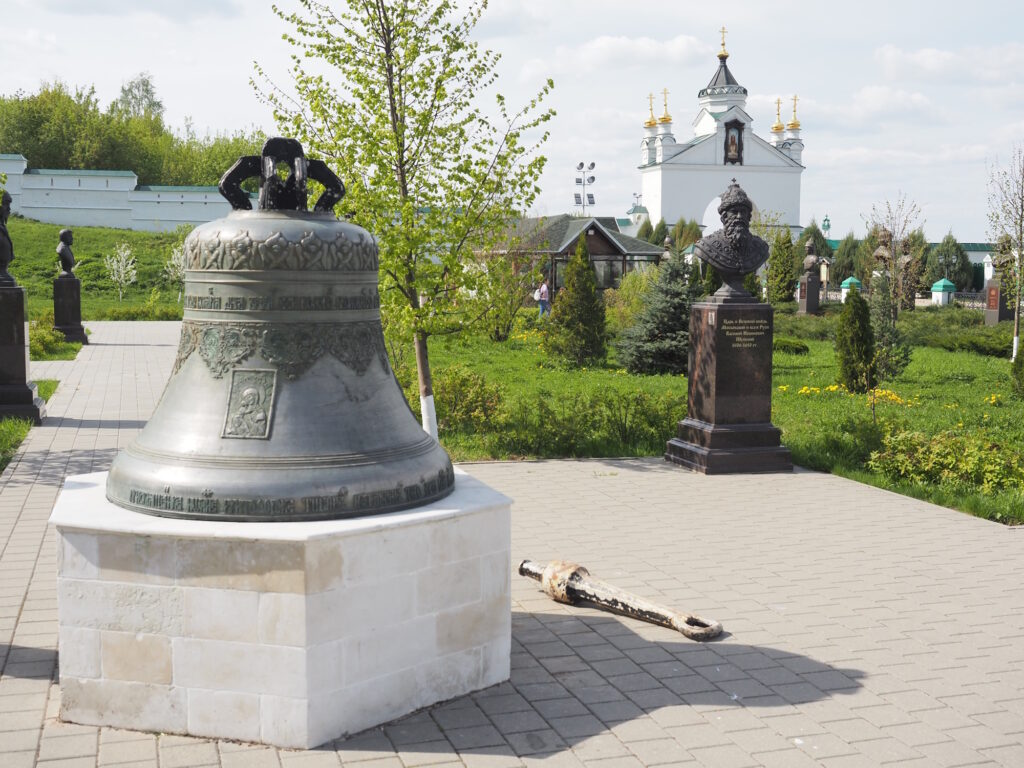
(428,414)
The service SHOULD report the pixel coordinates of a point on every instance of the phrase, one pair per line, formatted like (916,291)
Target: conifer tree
(845,260)
(685,233)
(855,345)
(948,260)
(892,354)
(780,279)
(645,231)
(577,332)
(659,342)
(821,247)
(659,233)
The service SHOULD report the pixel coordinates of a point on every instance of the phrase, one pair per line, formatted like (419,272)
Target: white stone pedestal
(289,634)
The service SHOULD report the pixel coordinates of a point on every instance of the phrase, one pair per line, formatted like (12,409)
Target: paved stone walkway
(863,628)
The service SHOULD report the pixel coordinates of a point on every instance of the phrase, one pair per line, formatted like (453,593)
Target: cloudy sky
(895,97)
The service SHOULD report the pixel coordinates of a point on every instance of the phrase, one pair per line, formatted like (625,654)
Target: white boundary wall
(106,199)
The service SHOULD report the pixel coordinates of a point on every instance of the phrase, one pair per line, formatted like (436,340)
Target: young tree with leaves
(659,341)
(895,222)
(578,332)
(428,173)
(1006,223)
(120,266)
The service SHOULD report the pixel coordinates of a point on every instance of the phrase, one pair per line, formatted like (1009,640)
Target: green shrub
(464,400)
(603,423)
(623,304)
(970,461)
(789,346)
(151,310)
(855,345)
(46,343)
(1017,375)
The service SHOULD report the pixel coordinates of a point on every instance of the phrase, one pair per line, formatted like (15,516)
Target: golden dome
(723,54)
(665,118)
(777,126)
(794,124)
(651,121)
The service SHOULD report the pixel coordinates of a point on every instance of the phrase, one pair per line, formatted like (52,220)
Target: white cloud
(181,10)
(968,65)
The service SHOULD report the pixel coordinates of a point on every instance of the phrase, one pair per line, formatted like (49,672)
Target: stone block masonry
(288,634)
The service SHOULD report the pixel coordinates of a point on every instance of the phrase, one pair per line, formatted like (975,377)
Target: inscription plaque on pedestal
(996,309)
(728,420)
(18,396)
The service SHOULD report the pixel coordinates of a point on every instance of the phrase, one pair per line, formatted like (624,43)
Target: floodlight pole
(583,180)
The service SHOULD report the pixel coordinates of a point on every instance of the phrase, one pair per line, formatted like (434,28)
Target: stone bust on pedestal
(64,253)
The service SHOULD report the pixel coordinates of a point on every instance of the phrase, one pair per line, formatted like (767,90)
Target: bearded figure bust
(733,250)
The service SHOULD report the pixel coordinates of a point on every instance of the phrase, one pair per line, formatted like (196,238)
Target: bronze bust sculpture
(733,250)
(6,247)
(67,258)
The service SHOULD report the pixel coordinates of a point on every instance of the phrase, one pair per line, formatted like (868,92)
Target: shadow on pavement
(575,677)
(27,663)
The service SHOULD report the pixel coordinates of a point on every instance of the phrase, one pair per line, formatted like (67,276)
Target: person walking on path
(542,299)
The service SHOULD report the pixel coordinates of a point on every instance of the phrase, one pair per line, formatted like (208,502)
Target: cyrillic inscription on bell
(282,404)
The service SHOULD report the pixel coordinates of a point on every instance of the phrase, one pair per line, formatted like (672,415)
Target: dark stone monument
(728,423)
(18,396)
(996,309)
(810,283)
(67,293)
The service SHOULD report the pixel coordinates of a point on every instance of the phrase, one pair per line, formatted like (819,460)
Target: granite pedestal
(67,309)
(728,423)
(996,308)
(290,634)
(810,292)
(18,396)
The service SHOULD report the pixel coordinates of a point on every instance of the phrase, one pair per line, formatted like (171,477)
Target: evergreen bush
(892,354)
(789,346)
(659,342)
(780,279)
(855,345)
(577,332)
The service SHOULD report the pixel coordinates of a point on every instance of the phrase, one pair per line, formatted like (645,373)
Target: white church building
(684,177)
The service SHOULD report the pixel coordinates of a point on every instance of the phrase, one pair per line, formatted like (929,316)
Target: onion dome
(651,121)
(665,118)
(777,126)
(794,124)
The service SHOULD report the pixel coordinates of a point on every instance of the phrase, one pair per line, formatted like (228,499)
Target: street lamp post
(583,198)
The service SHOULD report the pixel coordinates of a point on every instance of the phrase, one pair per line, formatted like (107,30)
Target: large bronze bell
(282,405)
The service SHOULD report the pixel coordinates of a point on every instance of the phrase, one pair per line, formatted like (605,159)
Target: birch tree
(1006,225)
(120,266)
(400,118)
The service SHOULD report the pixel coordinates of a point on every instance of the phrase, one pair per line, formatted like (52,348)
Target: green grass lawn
(824,427)
(35,266)
(13,431)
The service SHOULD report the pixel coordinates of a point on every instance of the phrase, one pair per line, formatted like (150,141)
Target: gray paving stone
(843,627)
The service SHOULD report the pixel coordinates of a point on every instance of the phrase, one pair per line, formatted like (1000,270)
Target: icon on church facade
(734,142)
